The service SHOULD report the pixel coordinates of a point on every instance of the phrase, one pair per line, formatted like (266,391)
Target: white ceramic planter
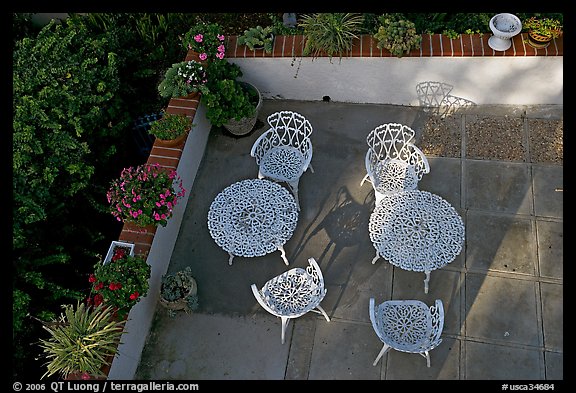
(504,26)
(115,244)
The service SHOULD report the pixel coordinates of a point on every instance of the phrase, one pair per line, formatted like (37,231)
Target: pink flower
(198,37)
(203,56)
(220,37)
(220,55)
(221,48)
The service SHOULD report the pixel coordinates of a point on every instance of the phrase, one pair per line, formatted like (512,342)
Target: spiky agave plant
(331,33)
(81,341)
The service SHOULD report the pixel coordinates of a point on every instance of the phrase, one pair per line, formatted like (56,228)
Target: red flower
(98,299)
(92,278)
(114,286)
(134,296)
(118,253)
(99,286)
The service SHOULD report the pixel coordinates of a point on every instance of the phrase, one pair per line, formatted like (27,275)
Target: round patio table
(417,231)
(252,218)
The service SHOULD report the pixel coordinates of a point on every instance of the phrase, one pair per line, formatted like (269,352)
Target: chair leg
(260,175)
(426,354)
(384,349)
(323,313)
(363,180)
(285,321)
(294,188)
(311,169)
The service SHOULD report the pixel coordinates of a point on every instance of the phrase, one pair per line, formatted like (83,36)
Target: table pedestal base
(282,254)
(426,280)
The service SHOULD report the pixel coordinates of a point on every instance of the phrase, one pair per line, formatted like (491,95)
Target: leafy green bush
(66,113)
(227,98)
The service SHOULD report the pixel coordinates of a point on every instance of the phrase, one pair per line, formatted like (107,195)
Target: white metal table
(252,218)
(416,230)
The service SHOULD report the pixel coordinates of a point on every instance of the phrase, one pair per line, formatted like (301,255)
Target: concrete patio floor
(503,295)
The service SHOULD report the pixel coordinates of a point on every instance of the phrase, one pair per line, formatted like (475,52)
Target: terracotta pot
(172,142)
(538,41)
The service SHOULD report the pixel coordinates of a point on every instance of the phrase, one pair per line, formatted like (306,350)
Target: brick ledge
(433,45)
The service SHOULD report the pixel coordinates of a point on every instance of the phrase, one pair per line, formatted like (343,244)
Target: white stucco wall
(529,80)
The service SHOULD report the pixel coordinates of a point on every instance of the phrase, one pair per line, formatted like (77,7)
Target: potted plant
(206,41)
(82,342)
(171,128)
(179,292)
(183,79)
(118,247)
(120,283)
(397,34)
(231,103)
(330,33)
(541,31)
(258,38)
(145,195)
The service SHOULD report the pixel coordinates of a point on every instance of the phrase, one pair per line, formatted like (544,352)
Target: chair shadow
(435,97)
(345,223)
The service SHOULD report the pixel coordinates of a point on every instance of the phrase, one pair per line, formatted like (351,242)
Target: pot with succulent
(179,291)
(183,79)
(171,128)
(541,31)
(258,38)
(120,283)
(205,42)
(145,195)
(231,103)
(397,34)
(82,342)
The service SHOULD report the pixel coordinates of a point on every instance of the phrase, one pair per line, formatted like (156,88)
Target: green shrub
(227,98)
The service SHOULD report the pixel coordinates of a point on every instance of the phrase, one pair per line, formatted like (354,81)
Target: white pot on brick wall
(504,26)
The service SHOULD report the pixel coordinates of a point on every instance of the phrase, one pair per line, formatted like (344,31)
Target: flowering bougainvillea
(121,282)
(145,195)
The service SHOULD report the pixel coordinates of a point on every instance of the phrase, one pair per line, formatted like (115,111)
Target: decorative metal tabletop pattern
(252,217)
(416,230)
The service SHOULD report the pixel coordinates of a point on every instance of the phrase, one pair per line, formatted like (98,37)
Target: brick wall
(432,45)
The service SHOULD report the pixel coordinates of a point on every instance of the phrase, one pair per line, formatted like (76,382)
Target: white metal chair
(284,151)
(407,326)
(293,293)
(393,162)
